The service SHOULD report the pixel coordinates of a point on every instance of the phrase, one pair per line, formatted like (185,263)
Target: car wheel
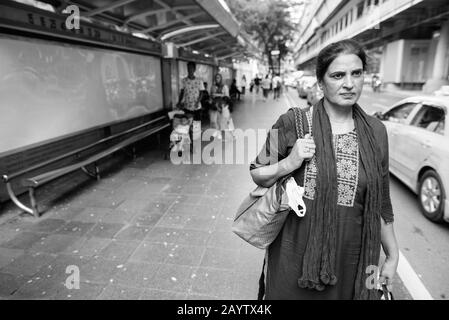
(431,196)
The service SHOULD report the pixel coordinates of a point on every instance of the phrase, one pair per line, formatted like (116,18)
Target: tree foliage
(268,22)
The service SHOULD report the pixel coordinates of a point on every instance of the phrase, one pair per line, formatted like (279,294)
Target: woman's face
(343,82)
(218,78)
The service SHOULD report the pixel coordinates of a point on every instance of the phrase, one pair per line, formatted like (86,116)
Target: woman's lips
(347,95)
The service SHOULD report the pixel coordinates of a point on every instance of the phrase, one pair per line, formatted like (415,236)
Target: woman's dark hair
(192,64)
(332,51)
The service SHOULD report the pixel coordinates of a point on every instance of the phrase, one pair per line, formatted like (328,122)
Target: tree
(268,22)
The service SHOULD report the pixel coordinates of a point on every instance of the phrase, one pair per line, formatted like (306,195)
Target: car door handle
(425,144)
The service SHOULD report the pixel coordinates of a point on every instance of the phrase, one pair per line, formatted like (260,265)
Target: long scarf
(319,264)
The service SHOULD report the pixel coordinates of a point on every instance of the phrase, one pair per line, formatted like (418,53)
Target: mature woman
(332,252)
(220,101)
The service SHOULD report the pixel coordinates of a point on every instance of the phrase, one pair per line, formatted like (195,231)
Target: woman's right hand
(304,149)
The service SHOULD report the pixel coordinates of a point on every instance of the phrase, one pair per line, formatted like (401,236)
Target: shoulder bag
(261,215)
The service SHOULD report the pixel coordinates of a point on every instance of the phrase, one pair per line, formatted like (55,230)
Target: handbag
(385,294)
(261,215)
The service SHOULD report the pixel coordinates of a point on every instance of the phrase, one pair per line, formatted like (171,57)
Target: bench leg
(134,152)
(33,203)
(97,172)
(16,201)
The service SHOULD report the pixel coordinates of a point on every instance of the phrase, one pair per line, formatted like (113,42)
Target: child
(179,138)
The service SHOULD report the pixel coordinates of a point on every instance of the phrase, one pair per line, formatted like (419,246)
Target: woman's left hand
(388,271)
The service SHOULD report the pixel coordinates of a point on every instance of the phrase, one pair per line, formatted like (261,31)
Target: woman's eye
(337,76)
(357,73)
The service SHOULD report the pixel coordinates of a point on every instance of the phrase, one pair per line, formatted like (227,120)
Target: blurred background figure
(277,83)
(266,85)
(243,84)
(234,91)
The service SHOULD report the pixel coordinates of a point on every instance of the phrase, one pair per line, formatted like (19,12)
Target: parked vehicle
(305,83)
(314,95)
(419,150)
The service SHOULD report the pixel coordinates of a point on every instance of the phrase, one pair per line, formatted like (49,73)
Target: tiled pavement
(148,230)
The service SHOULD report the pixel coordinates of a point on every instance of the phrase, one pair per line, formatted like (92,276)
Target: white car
(419,150)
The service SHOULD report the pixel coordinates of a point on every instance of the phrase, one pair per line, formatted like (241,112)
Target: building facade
(407,40)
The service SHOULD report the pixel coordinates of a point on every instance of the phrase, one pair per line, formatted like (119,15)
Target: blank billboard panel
(50,89)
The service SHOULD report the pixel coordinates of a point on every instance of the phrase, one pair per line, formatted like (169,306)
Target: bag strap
(299,121)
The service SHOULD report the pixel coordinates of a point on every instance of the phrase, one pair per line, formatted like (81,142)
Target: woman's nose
(348,82)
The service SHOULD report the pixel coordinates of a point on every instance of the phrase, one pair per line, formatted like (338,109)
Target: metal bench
(32,183)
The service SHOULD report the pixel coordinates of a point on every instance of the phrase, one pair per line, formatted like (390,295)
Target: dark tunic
(285,254)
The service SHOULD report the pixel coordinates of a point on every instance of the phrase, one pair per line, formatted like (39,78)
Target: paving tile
(136,274)
(133,233)
(61,268)
(119,250)
(86,291)
(187,199)
(220,258)
(105,230)
(98,271)
(24,240)
(205,223)
(118,216)
(147,219)
(9,255)
(38,288)
(66,213)
(7,234)
(87,247)
(92,215)
(193,237)
(163,235)
(173,278)
(246,285)
(159,206)
(152,252)
(28,264)
(134,205)
(224,239)
(100,198)
(114,292)
(153,294)
(47,225)
(202,297)
(9,284)
(185,255)
(224,223)
(76,228)
(213,282)
(54,243)
(173,221)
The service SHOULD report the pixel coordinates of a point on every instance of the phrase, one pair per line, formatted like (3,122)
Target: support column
(439,74)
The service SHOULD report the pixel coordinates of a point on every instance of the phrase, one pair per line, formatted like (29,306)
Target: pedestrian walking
(221,101)
(191,93)
(277,87)
(190,100)
(344,167)
(234,91)
(257,82)
(266,84)
(243,84)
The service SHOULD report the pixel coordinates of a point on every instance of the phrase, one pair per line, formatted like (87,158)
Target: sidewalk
(148,230)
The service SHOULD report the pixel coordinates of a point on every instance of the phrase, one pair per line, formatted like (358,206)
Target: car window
(400,113)
(430,118)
